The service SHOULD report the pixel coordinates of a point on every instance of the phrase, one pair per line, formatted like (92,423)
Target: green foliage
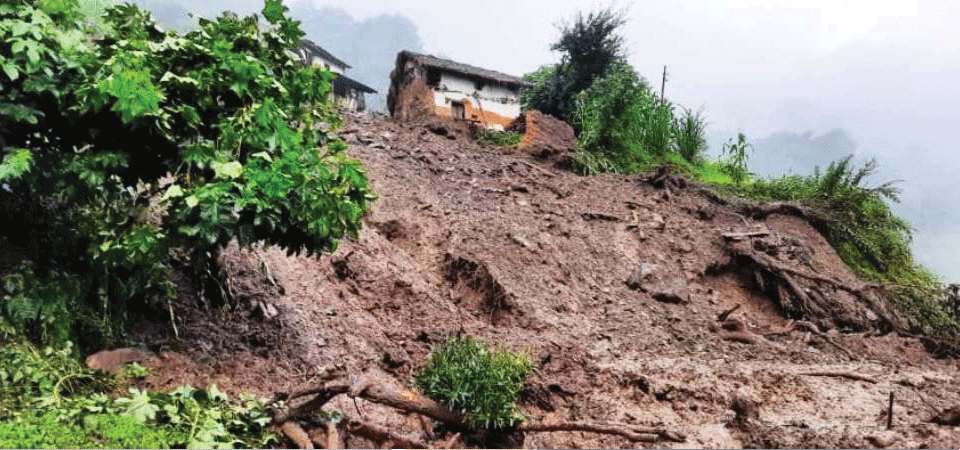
(735,161)
(867,236)
(15,164)
(690,130)
(510,139)
(626,125)
(124,142)
(481,383)
(49,401)
(590,47)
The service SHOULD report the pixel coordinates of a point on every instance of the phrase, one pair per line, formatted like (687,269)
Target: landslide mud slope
(612,285)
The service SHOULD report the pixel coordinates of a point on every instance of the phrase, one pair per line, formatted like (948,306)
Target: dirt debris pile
(613,284)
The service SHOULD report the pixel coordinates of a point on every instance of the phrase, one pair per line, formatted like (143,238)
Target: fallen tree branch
(324,393)
(841,374)
(744,235)
(408,400)
(745,337)
(722,317)
(634,433)
(296,434)
(380,434)
(452,442)
(813,329)
(333,436)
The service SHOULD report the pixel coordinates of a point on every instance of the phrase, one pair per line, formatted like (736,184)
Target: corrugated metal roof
(463,69)
(318,50)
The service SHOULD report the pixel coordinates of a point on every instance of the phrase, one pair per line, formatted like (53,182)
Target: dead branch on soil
(452,442)
(841,374)
(826,337)
(735,330)
(948,417)
(724,315)
(374,389)
(381,435)
(333,436)
(634,433)
(296,434)
(739,236)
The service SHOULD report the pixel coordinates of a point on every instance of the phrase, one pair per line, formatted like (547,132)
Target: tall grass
(690,131)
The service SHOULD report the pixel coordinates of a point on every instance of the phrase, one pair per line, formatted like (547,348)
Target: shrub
(47,400)
(123,144)
(735,161)
(481,383)
(690,131)
(510,139)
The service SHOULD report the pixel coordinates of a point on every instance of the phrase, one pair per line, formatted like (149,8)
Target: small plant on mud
(735,163)
(509,139)
(481,383)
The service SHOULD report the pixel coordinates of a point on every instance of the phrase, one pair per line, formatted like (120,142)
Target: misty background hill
(369,46)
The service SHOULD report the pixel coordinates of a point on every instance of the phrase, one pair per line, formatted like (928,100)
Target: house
(424,85)
(349,92)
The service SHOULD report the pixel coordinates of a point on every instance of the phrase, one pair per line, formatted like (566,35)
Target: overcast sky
(878,78)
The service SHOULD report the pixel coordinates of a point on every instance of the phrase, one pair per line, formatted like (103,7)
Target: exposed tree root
(634,433)
(333,436)
(379,390)
(732,329)
(381,435)
(801,293)
(802,324)
(296,434)
(841,374)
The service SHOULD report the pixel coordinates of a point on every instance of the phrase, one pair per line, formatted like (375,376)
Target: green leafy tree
(590,47)
(124,143)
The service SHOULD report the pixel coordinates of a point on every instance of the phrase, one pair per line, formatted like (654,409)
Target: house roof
(342,83)
(463,69)
(319,51)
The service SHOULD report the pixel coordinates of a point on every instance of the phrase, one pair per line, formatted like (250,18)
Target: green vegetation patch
(481,383)
(48,400)
(508,139)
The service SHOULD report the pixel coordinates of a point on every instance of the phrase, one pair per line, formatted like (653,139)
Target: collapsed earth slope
(613,284)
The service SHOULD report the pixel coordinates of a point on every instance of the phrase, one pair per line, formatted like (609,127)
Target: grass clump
(508,139)
(481,383)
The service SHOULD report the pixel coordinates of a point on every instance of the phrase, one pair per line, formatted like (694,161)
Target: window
(478,84)
(433,78)
(458,111)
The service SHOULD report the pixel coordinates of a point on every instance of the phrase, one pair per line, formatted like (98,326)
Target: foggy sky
(807,81)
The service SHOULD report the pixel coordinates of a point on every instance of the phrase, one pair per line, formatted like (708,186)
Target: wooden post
(663,84)
(890,412)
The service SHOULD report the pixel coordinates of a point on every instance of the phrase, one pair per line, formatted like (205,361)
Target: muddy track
(610,283)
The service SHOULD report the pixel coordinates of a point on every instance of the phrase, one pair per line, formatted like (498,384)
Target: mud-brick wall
(492,104)
(410,98)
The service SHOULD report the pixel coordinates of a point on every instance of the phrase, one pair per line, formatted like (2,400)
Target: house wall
(409,97)
(494,105)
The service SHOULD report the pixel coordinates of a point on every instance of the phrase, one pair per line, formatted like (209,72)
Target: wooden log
(382,435)
(632,432)
(296,434)
(841,374)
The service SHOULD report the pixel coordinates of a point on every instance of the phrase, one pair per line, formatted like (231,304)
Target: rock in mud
(663,285)
(112,360)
